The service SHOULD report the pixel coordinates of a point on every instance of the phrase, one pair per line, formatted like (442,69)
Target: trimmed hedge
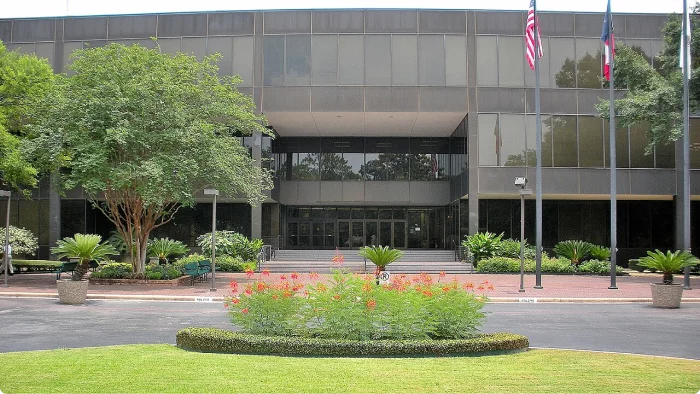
(213,340)
(512,265)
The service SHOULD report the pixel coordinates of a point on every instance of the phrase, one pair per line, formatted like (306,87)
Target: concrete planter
(72,291)
(666,296)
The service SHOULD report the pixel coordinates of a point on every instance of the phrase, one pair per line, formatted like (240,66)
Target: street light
(213,192)
(522,181)
(8,194)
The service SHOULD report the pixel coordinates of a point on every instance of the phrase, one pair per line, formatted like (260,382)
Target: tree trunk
(81,270)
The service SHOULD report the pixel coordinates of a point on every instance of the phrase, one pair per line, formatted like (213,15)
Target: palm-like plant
(164,248)
(381,256)
(600,253)
(573,250)
(668,263)
(483,245)
(86,247)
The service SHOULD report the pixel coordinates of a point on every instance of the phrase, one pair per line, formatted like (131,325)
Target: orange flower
(295,276)
(442,274)
(366,287)
(336,297)
(427,293)
(313,275)
(287,294)
(321,287)
(266,272)
(469,286)
(283,277)
(236,301)
(371,304)
(446,289)
(481,287)
(490,287)
(306,293)
(249,290)
(225,305)
(249,272)
(261,286)
(244,311)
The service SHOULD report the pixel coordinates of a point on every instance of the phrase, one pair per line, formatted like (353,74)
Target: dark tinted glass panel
(638,145)
(345,21)
(591,145)
(333,167)
(565,141)
(391,21)
(547,140)
(354,161)
(489,140)
(499,217)
(182,25)
(132,26)
(231,23)
(569,220)
(374,169)
(287,22)
(5,31)
(32,30)
(562,63)
(589,61)
(442,21)
(274,60)
(621,144)
(695,143)
(512,141)
(298,60)
(397,165)
(665,156)
(305,166)
(84,28)
(72,217)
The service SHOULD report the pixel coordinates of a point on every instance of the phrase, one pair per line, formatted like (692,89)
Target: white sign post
(384,277)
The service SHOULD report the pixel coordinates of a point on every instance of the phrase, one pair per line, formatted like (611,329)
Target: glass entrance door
(392,233)
(399,234)
(343,234)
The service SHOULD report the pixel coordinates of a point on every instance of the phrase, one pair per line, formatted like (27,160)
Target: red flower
(490,287)
(244,311)
(371,304)
(283,277)
(249,272)
(261,286)
(336,297)
(442,274)
(234,285)
(266,272)
(481,287)
(249,290)
(225,305)
(295,276)
(313,275)
(236,301)
(469,285)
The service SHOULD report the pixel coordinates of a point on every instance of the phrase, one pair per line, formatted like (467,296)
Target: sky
(39,8)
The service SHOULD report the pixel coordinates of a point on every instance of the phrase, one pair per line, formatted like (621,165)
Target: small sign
(204,299)
(384,277)
(527,300)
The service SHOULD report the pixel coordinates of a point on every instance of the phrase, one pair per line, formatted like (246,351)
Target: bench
(199,270)
(70,266)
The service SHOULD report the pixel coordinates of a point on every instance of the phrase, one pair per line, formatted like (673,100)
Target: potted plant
(86,248)
(381,256)
(667,294)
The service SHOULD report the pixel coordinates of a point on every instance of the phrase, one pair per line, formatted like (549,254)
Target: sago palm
(163,248)
(668,263)
(381,256)
(85,247)
(573,250)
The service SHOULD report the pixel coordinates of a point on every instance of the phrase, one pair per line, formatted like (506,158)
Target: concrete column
(256,212)
(54,211)
(472,126)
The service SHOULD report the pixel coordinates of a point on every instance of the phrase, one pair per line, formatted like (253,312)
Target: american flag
(608,38)
(530,36)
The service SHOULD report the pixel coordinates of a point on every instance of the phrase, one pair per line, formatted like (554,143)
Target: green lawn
(165,368)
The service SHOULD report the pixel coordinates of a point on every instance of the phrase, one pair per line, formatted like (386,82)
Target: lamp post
(522,181)
(8,194)
(213,192)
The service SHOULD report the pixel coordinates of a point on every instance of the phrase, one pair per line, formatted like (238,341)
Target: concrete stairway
(321,261)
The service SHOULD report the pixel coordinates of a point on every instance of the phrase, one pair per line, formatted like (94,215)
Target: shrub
(353,307)
(193,258)
(573,250)
(633,264)
(231,243)
(483,245)
(234,264)
(114,271)
(22,241)
(511,248)
(500,264)
(598,267)
(600,252)
(557,266)
(164,248)
(164,272)
(223,341)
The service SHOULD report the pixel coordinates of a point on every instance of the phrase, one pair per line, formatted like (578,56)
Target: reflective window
(565,141)
(487,56)
(513,142)
(404,59)
(355,162)
(378,60)
(305,166)
(333,166)
(562,64)
(590,129)
(273,60)
(665,155)
(622,146)
(351,60)
(243,50)
(456,60)
(298,61)
(431,60)
(489,139)
(589,61)
(694,143)
(324,63)
(373,169)
(543,65)
(510,67)
(638,145)
(547,138)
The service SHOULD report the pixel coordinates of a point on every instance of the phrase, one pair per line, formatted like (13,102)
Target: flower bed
(223,341)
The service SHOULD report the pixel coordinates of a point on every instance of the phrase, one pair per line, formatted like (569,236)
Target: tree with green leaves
(655,96)
(24,79)
(141,132)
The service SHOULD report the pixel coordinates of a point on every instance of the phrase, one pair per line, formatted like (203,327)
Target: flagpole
(613,158)
(538,156)
(686,142)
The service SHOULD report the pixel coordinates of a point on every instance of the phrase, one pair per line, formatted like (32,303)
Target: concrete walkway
(556,288)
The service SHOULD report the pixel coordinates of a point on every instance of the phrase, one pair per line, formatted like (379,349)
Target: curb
(147,297)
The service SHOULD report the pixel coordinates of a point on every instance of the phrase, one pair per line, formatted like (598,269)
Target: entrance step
(350,255)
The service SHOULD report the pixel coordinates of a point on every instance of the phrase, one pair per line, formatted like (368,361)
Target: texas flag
(608,38)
